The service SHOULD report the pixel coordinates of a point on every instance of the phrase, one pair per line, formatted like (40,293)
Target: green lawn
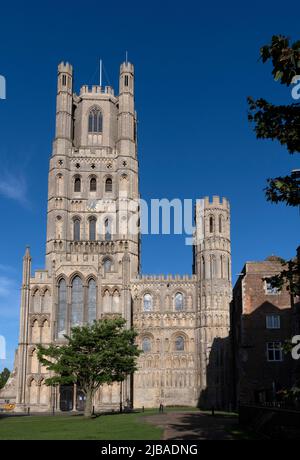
(106,427)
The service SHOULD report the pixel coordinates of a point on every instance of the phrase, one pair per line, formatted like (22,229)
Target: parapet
(126,67)
(166,278)
(65,67)
(96,89)
(216,201)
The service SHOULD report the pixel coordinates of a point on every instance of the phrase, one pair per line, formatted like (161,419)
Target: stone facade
(93,265)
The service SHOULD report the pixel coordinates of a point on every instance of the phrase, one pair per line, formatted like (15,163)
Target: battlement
(65,67)
(215,201)
(126,67)
(96,89)
(167,278)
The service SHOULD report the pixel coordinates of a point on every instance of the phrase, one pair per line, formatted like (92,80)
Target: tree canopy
(4,376)
(280,122)
(94,355)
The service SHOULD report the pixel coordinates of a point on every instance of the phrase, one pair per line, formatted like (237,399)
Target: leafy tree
(4,376)
(104,352)
(281,123)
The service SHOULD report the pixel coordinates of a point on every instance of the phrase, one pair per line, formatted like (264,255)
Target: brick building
(261,321)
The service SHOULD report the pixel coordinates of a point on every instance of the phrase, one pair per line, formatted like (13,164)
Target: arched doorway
(66,397)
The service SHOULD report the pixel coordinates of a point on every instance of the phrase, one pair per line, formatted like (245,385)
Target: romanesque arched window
(146,345)
(178,301)
(58,228)
(62,308)
(107,265)
(211,224)
(95,120)
(108,184)
(179,343)
(59,184)
(148,302)
(92,228)
(91,301)
(77,184)
(221,229)
(107,229)
(77,302)
(76,229)
(93,184)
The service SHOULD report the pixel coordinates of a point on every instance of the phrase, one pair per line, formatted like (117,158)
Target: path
(194,425)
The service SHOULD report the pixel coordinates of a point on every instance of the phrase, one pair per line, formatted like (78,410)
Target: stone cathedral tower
(93,266)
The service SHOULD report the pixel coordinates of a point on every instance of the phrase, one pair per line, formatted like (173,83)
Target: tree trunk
(88,410)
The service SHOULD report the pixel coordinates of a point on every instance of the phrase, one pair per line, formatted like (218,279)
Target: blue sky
(196,62)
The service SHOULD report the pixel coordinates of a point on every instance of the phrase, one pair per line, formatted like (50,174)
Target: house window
(270,290)
(179,343)
(273,322)
(274,351)
(93,184)
(148,302)
(146,345)
(95,121)
(77,184)
(178,301)
(108,185)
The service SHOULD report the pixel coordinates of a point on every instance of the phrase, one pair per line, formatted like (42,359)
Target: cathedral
(92,268)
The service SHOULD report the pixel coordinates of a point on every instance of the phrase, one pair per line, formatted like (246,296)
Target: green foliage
(4,376)
(283,189)
(103,352)
(282,122)
(276,122)
(289,277)
(285,58)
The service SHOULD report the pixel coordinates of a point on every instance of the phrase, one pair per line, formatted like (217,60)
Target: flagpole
(100,72)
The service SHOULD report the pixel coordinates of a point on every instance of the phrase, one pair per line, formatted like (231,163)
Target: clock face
(92,205)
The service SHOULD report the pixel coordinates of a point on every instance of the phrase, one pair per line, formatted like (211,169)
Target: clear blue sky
(196,62)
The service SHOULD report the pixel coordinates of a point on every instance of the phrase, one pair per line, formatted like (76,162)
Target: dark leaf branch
(288,278)
(285,58)
(281,123)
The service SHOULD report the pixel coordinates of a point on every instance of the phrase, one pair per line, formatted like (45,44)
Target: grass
(106,427)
